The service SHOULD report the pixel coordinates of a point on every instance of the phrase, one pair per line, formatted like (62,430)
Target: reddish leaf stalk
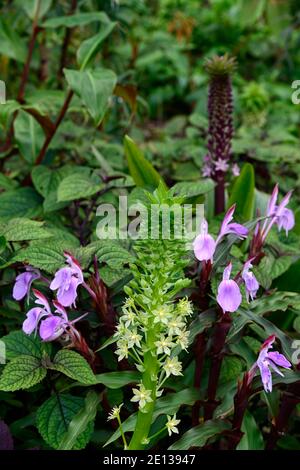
(219,337)
(290,399)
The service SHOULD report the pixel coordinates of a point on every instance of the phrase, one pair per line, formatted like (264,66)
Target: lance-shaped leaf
(29,136)
(243,193)
(199,435)
(81,422)
(94,87)
(252,438)
(78,19)
(142,172)
(90,46)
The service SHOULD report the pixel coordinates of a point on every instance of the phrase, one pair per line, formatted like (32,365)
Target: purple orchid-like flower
(229,296)
(204,244)
(24,281)
(278,214)
(231,227)
(250,280)
(66,281)
(269,360)
(221,165)
(35,314)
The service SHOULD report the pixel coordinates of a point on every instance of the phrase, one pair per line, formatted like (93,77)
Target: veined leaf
(29,136)
(94,87)
(74,366)
(77,186)
(21,202)
(54,417)
(19,229)
(22,372)
(18,343)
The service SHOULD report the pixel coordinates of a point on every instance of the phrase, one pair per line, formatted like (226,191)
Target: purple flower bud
(66,281)
(235,169)
(270,360)
(24,281)
(204,244)
(250,281)
(229,296)
(228,227)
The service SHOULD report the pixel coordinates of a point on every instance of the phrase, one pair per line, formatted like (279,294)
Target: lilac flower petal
(67,296)
(23,283)
(272,202)
(32,319)
(62,277)
(229,296)
(51,328)
(237,229)
(279,359)
(266,376)
(204,247)
(227,272)
(286,220)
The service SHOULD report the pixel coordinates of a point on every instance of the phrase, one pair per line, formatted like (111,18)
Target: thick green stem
(149,380)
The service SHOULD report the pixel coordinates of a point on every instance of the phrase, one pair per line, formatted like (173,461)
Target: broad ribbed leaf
(22,372)
(18,343)
(54,417)
(74,366)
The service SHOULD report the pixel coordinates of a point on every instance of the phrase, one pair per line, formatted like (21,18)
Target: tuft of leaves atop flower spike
(220,65)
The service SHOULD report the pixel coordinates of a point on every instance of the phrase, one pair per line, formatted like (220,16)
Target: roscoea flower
(285,220)
(229,296)
(278,214)
(66,281)
(35,314)
(204,244)
(24,281)
(251,283)
(231,227)
(269,360)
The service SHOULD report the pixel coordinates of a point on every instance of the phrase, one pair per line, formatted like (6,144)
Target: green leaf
(199,435)
(18,343)
(118,379)
(94,87)
(19,229)
(7,183)
(243,193)
(48,257)
(231,369)
(276,301)
(192,188)
(21,202)
(270,268)
(74,366)
(35,8)
(81,421)
(142,172)
(22,372)
(251,11)
(29,136)
(54,417)
(78,19)
(76,186)
(203,321)
(90,47)
(270,329)
(11,44)
(252,438)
